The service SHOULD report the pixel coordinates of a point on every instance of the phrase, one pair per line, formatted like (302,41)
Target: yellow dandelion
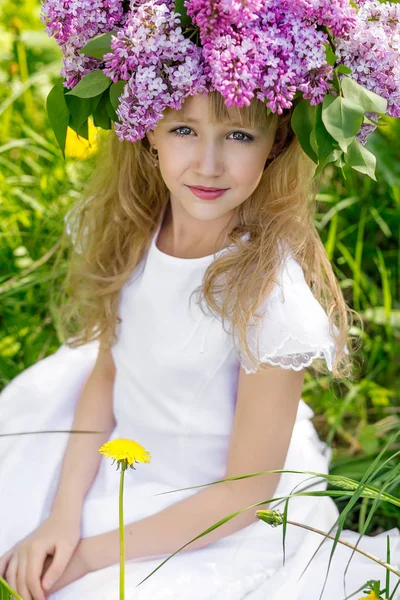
(122,450)
(371,596)
(77,147)
(125,452)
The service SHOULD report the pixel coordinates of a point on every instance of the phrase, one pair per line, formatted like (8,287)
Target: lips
(207,193)
(207,189)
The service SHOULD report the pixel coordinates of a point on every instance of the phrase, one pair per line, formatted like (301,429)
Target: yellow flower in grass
(371,596)
(77,147)
(125,451)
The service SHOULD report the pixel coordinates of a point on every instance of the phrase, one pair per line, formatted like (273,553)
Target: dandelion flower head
(125,451)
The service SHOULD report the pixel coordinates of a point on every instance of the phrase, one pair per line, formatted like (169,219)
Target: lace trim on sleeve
(295,361)
(294,329)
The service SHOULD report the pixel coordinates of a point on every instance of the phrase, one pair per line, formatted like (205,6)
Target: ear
(150,137)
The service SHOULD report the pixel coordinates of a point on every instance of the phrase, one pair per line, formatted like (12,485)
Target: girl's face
(197,152)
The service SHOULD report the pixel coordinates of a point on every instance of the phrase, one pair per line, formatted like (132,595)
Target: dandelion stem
(371,556)
(121,536)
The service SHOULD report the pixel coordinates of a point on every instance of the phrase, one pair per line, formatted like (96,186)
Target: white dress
(175,393)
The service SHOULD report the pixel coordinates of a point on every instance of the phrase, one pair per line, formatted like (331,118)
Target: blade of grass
(358,259)
(4,586)
(387,296)
(330,242)
(370,472)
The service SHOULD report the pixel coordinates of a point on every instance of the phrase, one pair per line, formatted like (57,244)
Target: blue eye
(243,141)
(175,131)
(246,141)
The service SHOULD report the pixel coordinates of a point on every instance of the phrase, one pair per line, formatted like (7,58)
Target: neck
(183,236)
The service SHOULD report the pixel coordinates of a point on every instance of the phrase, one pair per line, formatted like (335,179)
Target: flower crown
(335,63)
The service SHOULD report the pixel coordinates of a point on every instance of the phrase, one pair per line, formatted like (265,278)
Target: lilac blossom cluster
(271,49)
(264,49)
(161,67)
(372,53)
(73,23)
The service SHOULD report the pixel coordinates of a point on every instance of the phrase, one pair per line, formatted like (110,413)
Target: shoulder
(290,275)
(293,328)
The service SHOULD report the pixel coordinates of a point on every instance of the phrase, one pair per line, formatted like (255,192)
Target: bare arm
(50,547)
(94,411)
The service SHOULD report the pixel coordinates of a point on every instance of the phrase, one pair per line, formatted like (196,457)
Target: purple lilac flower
(73,23)
(151,36)
(372,52)
(148,93)
(215,17)
(338,15)
(268,58)
(161,67)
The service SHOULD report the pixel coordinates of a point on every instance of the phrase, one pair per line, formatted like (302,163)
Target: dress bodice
(176,372)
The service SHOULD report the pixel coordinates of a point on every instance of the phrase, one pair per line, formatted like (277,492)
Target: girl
(199,293)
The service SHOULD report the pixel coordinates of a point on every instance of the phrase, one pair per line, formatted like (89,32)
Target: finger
(4,560)
(21,577)
(11,573)
(36,559)
(60,560)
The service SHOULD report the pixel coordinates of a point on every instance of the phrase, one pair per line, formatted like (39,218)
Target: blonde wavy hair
(119,213)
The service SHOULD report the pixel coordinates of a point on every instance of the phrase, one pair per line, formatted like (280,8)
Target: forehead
(211,108)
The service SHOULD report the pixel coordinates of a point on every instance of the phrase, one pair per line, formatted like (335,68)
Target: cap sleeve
(293,329)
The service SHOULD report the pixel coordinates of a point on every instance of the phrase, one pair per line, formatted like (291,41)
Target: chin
(207,210)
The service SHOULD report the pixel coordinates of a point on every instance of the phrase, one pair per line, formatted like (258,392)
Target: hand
(77,567)
(23,566)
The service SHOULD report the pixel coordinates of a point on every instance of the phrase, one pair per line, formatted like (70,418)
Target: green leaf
(303,123)
(326,147)
(360,96)
(313,142)
(344,69)
(361,159)
(101,117)
(110,110)
(330,56)
(58,114)
(330,158)
(116,90)
(81,108)
(100,45)
(91,85)
(340,162)
(82,130)
(325,142)
(342,119)
(336,82)
(181,9)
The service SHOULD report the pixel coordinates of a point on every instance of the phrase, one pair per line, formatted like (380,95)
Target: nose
(208,160)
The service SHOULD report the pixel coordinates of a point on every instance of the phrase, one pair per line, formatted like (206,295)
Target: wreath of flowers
(335,62)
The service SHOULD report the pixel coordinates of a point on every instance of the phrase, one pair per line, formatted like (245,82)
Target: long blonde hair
(119,213)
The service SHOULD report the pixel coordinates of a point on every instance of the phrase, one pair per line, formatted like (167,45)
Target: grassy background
(358,220)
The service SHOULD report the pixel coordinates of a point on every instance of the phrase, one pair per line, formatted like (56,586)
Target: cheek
(173,160)
(248,168)
(170,168)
